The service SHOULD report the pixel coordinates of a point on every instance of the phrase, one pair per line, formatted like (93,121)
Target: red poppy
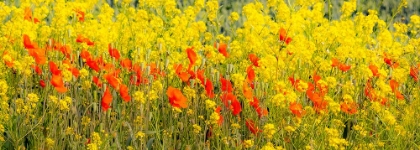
(113,52)
(349,108)
(247,91)
(283,36)
(226,85)
(93,64)
(85,54)
(106,100)
(192,56)
(39,55)
(230,101)
(126,63)
(80,15)
(414,72)
(254,59)
(374,70)
(27,42)
(297,109)
(256,105)
(250,74)
(220,121)
(200,76)
(223,49)
(344,67)
(112,80)
(124,93)
(97,81)
(57,82)
(54,68)
(335,62)
(252,127)
(42,83)
(176,98)
(393,84)
(209,89)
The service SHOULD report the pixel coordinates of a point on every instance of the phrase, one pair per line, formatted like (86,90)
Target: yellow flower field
(207,74)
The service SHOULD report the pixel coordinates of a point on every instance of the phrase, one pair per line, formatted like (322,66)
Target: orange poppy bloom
(393,84)
(57,82)
(106,100)
(374,70)
(414,72)
(113,52)
(192,56)
(349,108)
(252,127)
(223,49)
(230,101)
(126,63)
(176,98)
(80,15)
(209,89)
(112,80)
(39,55)
(297,109)
(93,64)
(27,42)
(85,54)
(344,67)
(283,36)
(256,105)
(37,69)
(247,91)
(54,68)
(28,14)
(218,109)
(335,62)
(226,85)
(124,93)
(97,82)
(42,83)
(200,76)
(254,59)
(391,63)
(81,39)
(250,74)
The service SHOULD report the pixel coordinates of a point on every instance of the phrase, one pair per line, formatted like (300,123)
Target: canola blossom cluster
(164,74)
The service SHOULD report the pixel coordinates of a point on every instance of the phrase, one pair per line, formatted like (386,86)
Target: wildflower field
(209,74)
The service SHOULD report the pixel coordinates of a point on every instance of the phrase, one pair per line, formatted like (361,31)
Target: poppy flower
(349,108)
(220,121)
(126,63)
(74,71)
(230,101)
(250,74)
(27,42)
(344,67)
(81,39)
(374,70)
(247,91)
(192,56)
(42,83)
(223,49)
(283,36)
(393,84)
(209,89)
(106,100)
(297,109)
(391,63)
(97,81)
(27,14)
(8,62)
(39,55)
(335,62)
(124,93)
(414,73)
(54,68)
(85,54)
(57,82)
(37,69)
(113,52)
(93,64)
(112,80)
(256,105)
(80,15)
(226,85)
(200,76)
(176,98)
(254,59)
(252,127)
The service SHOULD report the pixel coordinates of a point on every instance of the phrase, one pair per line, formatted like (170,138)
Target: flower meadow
(156,74)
